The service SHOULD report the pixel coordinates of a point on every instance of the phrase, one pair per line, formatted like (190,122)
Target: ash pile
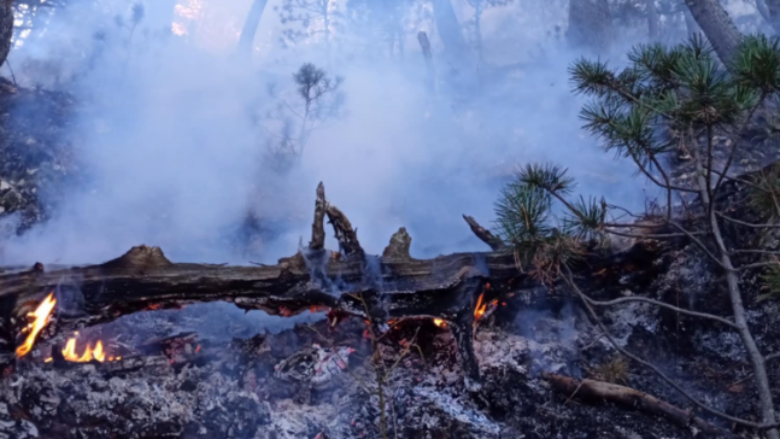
(318,379)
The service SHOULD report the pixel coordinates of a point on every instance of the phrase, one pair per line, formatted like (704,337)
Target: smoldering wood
(445,287)
(594,390)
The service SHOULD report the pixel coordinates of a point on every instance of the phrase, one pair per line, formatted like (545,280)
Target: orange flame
(440,323)
(480,309)
(90,353)
(42,314)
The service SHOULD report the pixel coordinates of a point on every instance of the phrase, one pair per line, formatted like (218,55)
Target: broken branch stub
(318,228)
(484,234)
(345,234)
(400,244)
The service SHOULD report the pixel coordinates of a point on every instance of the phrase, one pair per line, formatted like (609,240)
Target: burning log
(446,288)
(603,391)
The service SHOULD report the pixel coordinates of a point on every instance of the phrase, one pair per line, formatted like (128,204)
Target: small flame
(197,349)
(440,323)
(90,353)
(480,309)
(42,314)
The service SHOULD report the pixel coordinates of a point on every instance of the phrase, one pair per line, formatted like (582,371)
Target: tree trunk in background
(717,27)
(6,28)
(448,27)
(690,23)
(652,20)
(590,25)
(771,11)
(250,26)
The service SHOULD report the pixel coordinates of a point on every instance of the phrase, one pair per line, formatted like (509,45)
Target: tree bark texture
(717,26)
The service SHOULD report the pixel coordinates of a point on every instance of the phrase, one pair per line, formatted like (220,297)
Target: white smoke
(168,135)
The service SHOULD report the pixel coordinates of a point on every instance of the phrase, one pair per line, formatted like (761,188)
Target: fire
(440,323)
(97,353)
(481,309)
(42,314)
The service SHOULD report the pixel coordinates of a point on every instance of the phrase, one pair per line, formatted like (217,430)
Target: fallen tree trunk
(603,391)
(379,288)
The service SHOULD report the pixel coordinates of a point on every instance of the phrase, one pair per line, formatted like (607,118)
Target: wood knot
(140,257)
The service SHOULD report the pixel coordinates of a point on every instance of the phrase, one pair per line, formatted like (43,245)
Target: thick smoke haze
(173,132)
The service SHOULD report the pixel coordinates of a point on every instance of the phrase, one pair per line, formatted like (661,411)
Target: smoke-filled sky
(174,133)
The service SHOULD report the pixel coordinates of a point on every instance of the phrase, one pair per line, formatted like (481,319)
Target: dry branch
(485,235)
(603,391)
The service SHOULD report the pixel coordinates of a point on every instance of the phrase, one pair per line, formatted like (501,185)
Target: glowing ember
(440,323)
(41,315)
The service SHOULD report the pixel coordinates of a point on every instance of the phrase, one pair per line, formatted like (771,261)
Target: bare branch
(746,224)
(662,305)
(569,280)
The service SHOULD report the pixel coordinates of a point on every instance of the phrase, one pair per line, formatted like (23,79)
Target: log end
(140,257)
(399,246)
